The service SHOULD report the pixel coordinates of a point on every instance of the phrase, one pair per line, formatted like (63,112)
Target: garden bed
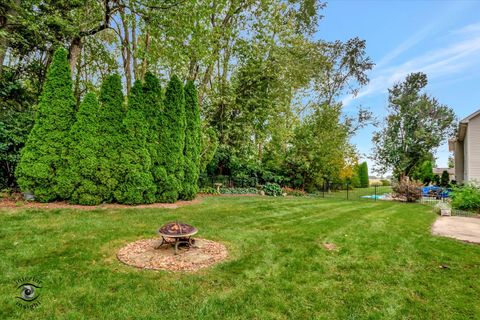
(11,204)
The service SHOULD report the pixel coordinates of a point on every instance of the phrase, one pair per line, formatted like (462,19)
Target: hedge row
(141,151)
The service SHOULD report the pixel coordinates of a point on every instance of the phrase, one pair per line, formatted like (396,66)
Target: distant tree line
(141,150)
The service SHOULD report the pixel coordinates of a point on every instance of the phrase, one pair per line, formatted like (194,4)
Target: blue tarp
(429,191)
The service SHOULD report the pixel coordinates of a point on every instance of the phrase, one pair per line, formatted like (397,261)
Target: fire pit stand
(177,234)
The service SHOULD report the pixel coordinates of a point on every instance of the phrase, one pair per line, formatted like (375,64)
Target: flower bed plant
(208,190)
(466,198)
(272,189)
(294,192)
(238,191)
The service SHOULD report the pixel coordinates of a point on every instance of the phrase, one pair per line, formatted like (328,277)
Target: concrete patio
(461,228)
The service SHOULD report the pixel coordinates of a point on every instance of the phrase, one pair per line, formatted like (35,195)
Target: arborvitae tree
(445,179)
(137,185)
(192,143)
(83,155)
(355,180)
(363,175)
(110,133)
(153,100)
(172,141)
(43,154)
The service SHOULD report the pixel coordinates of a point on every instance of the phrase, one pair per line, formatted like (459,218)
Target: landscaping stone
(446,212)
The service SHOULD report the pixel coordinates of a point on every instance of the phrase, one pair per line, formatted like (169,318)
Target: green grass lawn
(387,265)
(356,193)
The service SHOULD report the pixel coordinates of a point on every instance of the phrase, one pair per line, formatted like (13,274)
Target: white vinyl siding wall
(472,150)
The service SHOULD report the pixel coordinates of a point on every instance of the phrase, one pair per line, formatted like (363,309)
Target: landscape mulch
(146,254)
(12,204)
(8,203)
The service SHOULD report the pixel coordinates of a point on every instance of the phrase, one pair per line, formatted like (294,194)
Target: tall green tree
(192,142)
(153,100)
(83,154)
(172,139)
(47,144)
(363,175)
(444,179)
(111,170)
(209,144)
(137,185)
(414,128)
(424,171)
(319,148)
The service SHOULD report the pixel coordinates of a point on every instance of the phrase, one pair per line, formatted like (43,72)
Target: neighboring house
(466,147)
(451,172)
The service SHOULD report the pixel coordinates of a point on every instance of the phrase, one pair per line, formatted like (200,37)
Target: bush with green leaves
(192,143)
(385,182)
(172,141)
(47,144)
(17,100)
(466,198)
(81,173)
(208,190)
(137,185)
(111,169)
(272,189)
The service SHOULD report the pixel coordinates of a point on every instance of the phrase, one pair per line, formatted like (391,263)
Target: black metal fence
(327,190)
(228,181)
(431,196)
(347,192)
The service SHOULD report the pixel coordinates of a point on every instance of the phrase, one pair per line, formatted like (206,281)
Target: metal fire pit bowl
(176,234)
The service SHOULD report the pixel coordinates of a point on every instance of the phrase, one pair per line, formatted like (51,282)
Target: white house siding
(472,140)
(466,154)
(459,161)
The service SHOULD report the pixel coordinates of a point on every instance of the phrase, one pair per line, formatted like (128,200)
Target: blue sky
(440,38)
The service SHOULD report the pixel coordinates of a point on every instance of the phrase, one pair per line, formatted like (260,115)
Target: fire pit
(176,234)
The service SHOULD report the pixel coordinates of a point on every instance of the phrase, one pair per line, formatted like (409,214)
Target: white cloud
(407,44)
(458,57)
(470,29)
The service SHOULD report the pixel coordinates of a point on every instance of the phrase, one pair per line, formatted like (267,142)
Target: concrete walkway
(461,228)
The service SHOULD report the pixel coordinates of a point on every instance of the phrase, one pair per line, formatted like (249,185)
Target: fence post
(347,190)
(375,196)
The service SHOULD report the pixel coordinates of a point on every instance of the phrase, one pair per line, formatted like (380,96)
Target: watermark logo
(28,292)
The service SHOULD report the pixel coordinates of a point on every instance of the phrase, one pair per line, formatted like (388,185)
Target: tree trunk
(3,51)
(126,52)
(136,72)
(78,68)
(145,55)
(74,53)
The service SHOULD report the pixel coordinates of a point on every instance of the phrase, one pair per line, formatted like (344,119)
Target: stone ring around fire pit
(176,234)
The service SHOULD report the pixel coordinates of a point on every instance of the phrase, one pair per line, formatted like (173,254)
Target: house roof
(462,128)
(440,170)
(470,117)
